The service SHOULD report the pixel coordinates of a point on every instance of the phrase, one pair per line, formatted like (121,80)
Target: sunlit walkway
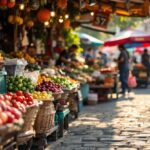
(116,125)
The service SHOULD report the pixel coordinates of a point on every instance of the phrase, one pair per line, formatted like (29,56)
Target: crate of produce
(3,87)
(45,119)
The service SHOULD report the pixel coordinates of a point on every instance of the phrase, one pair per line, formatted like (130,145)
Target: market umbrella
(132,38)
(89,40)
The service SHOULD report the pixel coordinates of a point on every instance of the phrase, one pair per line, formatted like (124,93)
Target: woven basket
(29,118)
(24,137)
(45,118)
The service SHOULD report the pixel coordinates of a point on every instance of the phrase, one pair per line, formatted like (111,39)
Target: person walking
(123,66)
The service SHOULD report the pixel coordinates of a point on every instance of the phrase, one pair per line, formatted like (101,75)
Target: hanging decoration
(15,20)
(62,4)
(11,4)
(66,24)
(43,15)
(30,23)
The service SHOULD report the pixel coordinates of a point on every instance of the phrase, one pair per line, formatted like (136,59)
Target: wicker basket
(29,118)
(45,118)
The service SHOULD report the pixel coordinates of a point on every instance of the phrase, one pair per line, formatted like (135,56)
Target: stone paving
(122,124)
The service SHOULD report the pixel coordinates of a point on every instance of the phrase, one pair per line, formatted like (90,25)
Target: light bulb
(46,23)
(66,16)
(53,14)
(21,6)
(92,13)
(61,20)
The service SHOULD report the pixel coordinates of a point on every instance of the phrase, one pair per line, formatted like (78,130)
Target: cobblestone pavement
(122,124)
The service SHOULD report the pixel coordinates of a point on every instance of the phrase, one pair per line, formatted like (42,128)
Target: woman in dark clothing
(123,65)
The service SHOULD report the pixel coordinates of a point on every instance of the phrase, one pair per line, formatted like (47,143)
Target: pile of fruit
(27,57)
(20,83)
(43,78)
(64,81)
(42,95)
(49,86)
(8,114)
(20,100)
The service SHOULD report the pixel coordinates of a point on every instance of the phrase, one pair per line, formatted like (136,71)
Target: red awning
(129,36)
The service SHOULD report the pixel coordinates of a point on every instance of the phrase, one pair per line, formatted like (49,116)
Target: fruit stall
(36,103)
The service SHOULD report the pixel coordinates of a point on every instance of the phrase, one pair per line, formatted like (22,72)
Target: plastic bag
(132,82)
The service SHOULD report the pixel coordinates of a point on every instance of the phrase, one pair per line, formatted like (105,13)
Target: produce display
(49,86)
(19,100)
(43,78)
(8,113)
(26,56)
(66,82)
(42,95)
(20,83)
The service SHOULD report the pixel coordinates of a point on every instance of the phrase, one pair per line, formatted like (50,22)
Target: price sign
(101,19)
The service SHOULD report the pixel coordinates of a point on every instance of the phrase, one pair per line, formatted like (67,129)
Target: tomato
(10,94)
(19,99)
(16,105)
(11,117)
(26,94)
(19,93)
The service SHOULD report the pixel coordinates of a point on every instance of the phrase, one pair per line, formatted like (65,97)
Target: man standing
(146,61)
(123,65)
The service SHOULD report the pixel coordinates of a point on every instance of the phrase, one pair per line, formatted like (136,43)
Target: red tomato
(19,99)
(19,93)
(26,94)
(16,105)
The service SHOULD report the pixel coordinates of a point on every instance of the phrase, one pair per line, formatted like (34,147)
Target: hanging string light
(46,23)
(61,20)
(92,13)
(21,6)
(53,13)
(66,16)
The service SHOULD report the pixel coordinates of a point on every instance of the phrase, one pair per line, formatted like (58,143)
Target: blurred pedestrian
(146,61)
(123,66)
(103,58)
(89,56)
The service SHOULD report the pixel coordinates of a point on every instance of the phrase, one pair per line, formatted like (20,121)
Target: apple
(19,99)
(1,97)
(10,116)
(3,117)
(16,113)
(3,105)
(26,94)
(19,93)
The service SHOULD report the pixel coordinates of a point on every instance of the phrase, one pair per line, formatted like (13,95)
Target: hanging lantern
(43,15)
(67,24)
(11,19)
(11,4)
(62,4)
(30,24)
(3,2)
